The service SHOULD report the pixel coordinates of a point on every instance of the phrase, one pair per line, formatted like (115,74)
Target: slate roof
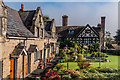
(47,34)
(15,27)
(48,25)
(32,48)
(27,17)
(17,51)
(62,31)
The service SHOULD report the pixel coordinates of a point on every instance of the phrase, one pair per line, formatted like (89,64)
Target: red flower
(43,78)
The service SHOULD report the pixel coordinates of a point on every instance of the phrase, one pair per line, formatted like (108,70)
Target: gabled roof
(32,48)
(15,27)
(97,33)
(62,31)
(27,17)
(18,50)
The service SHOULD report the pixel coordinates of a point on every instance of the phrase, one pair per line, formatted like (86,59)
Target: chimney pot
(22,7)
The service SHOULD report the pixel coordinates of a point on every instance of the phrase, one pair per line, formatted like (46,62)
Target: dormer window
(71,32)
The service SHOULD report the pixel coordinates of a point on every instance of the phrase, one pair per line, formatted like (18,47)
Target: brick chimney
(22,7)
(64,20)
(103,30)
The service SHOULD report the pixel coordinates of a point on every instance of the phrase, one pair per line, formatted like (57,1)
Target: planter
(41,60)
(48,60)
(41,67)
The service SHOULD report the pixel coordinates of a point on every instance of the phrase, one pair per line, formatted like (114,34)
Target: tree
(46,18)
(117,37)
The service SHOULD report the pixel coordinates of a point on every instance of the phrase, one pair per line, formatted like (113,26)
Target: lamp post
(100,49)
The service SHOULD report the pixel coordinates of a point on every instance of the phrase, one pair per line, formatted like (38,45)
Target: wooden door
(28,63)
(12,68)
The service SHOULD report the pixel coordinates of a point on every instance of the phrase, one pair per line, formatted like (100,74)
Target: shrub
(97,54)
(66,57)
(80,57)
(75,75)
(107,70)
(59,67)
(83,65)
(50,75)
(92,70)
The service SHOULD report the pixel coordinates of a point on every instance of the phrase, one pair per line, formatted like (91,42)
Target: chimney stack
(64,20)
(22,7)
(103,24)
(103,31)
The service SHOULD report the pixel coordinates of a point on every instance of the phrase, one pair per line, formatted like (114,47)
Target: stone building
(24,39)
(84,35)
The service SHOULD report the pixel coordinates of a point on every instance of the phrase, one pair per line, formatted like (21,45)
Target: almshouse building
(24,39)
(84,35)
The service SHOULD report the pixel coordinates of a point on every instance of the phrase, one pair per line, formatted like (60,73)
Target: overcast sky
(79,13)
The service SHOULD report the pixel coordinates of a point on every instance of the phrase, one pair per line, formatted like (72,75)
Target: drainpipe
(23,59)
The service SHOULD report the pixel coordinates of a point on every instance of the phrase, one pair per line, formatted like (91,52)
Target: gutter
(21,38)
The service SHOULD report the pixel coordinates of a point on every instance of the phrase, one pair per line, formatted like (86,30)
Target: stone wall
(9,46)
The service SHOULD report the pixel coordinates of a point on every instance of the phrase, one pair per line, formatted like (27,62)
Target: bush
(50,75)
(80,57)
(97,54)
(108,70)
(83,65)
(59,67)
(66,57)
(92,70)
(75,75)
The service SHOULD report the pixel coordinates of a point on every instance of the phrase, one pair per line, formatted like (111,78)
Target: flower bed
(50,75)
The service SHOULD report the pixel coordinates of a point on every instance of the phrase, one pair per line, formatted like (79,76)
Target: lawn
(113,64)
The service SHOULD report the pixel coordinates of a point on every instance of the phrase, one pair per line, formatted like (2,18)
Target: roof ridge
(11,8)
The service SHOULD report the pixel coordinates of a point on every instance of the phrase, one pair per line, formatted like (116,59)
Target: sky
(79,13)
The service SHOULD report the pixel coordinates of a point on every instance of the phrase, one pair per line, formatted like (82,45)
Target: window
(0,26)
(57,49)
(48,55)
(37,31)
(35,56)
(87,31)
(40,54)
(41,35)
(52,48)
(1,70)
(39,18)
(71,32)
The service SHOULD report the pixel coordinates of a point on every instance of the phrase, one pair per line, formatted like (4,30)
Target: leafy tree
(46,18)
(117,37)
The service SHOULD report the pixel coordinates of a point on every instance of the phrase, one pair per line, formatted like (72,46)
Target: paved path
(38,72)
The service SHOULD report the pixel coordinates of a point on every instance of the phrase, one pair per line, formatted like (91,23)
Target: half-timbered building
(84,35)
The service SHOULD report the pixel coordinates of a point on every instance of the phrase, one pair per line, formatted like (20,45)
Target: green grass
(113,64)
